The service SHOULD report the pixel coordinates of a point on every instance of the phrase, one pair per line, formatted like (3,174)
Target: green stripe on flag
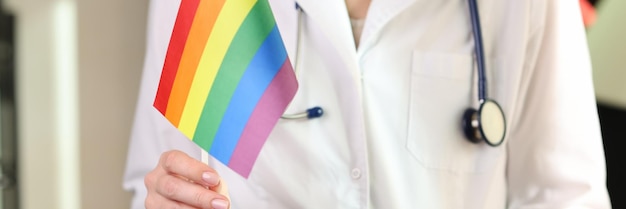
(253,31)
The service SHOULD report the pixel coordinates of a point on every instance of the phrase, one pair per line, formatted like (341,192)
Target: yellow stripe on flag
(203,22)
(231,17)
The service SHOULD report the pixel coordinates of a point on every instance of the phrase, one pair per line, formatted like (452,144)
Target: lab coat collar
(332,17)
(378,15)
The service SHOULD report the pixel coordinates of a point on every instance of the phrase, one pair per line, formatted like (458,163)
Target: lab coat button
(356,173)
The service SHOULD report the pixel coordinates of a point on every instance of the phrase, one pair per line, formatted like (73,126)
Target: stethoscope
(487,123)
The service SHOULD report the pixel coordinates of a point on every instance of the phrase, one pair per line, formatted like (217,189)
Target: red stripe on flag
(186,14)
(271,106)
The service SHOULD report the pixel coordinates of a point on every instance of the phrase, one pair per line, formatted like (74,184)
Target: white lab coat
(391,136)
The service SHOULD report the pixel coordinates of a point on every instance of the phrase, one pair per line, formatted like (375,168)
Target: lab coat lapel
(378,15)
(332,17)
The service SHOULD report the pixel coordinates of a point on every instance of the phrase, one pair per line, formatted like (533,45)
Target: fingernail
(219,204)
(210,178)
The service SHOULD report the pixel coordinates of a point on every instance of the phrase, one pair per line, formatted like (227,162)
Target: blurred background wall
(8,144)
(111,36)
(79,64)
(607,45)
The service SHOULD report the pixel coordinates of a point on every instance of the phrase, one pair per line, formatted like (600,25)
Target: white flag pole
(205,157)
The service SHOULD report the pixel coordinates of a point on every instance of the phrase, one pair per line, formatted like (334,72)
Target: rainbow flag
(227,78)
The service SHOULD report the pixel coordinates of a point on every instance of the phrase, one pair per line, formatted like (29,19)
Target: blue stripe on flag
(257,77)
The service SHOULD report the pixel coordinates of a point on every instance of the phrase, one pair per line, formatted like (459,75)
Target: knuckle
(149,179)
(202,199)
(150,201)
(168,159)
(169,187)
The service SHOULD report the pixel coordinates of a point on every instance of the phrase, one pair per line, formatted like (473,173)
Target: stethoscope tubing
(478,48)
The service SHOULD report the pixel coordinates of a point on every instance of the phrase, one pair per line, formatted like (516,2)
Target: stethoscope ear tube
(311,113)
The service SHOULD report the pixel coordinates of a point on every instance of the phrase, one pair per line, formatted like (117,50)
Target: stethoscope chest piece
(485,124)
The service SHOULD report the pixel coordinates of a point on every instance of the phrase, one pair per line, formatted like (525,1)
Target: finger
(222,188)
(180,164)
(159,202)
(177,189)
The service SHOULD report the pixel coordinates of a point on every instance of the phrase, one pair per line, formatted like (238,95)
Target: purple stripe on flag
(266,114)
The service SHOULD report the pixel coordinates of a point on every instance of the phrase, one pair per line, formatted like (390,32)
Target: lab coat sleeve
(152,134)
(555,152)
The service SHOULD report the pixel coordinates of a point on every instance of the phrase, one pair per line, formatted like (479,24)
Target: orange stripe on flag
(203,23)
(182,26)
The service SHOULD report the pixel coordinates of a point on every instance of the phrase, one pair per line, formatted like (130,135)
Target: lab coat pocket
(442,88)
